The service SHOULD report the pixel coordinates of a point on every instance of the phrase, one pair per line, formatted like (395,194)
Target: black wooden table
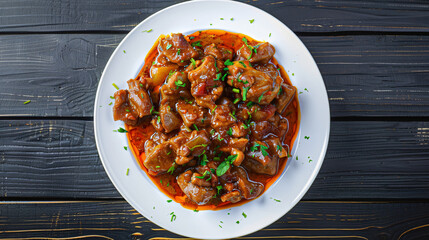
(374,58)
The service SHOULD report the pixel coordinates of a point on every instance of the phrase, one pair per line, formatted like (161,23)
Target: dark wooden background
(374,58)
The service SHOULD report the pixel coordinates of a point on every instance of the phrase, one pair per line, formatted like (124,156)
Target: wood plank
(118,220)
(300,16)
(365,160)
(365,75)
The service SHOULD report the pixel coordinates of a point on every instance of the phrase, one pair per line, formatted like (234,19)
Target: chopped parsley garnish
(236,100)
(306,89)
(212,132)
(114,85)
(173,216)
(148,31)
(279,148)
(168,46)
(307,137)
(151,110)
(219,138)
(171,169)
(269,35)
(121,130)
(228,63)
(296,158)
(245,126)
(244,215)
(219,187)
(159,119)
(195,126)
(260,97)
(125,147)
(217,77)
(242,63)
(201,145)
(221,18)
(27,102)
(204,160)
(158,167)
(224,166)
(178,51)
(127,110)
(245,93)
(236,90)
(223,77)
(238,222)
(197,43)
(229,131)
(193,62)
(214,109)
(195,210)
(262,147)
(249,104)
(124,51)
(251,20)
(232,115)
(110,103)
(231,19)
(293,74)
(128,171)
(191,37)
(179,83)
(169,153)
(169,200)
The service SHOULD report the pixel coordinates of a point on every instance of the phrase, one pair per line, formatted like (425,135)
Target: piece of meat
(262,113)
(177,87)
(254,85)
(199,180)
(269,69)
(261,53)
(177,49)
(122,109)
(192,114)
(170,119)
(139,98)
(205,89)
(275,147)
(284,97)
(219,52)
(189,145)
(159,159)
(199,195)
(254,166)
(238,143)
(248,189)
(232,197)
(259,151)
(223,115)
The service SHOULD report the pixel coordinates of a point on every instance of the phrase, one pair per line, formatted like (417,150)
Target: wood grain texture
(118,220)
(300,16)
(365,160)
(364,75)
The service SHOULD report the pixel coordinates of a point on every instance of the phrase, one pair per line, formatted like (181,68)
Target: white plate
(299,174)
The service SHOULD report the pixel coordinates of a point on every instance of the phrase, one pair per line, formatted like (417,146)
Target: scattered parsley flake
(148,31)
(27,102)
(221,18)
(168,46)
(238,222)
(276,200)
(244,215)
(236,100)
(193,62)
(169,200)
(128,171)
(195,210)
(306,89)
(114,85)
(260,97)
(242,63)
(125,147)
(111,97)
(228,63)
(232,19)
(171,169)
(229,131)
(251,21)
(191,37)
(195,126)
(121,130)
(307,137)
(178,51)
(236,90)
(293,74)
(219,225)
(173,216)
(197,43)
(245,93)
(269,35)
(110,103)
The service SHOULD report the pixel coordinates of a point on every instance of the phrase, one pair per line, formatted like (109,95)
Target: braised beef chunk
(122,109)
(205,89)
(260,53)
(219,52)
(177,49)
(159,159)
(198,194)
(210,118)
(254,85)
(139,98)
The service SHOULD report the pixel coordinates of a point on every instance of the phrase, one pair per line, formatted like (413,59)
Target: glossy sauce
(138,134)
